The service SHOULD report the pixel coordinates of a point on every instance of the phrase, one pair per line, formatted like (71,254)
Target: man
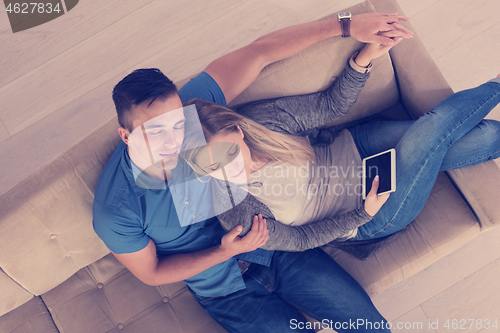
(162,237)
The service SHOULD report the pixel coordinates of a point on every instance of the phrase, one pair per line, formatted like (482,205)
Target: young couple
(153,213)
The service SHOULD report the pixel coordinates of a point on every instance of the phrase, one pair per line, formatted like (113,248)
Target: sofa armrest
(478,184)
(422,86)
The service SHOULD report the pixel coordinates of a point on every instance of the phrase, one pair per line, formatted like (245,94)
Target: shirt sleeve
(283,237)
(120,231)
(203,87)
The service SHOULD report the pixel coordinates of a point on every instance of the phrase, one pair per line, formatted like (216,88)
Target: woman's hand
(372,51)
(373,201)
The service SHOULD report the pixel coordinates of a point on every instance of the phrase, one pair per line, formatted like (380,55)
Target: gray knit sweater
(296,115)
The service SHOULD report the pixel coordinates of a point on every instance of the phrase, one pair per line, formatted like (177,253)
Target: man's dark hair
(139,86)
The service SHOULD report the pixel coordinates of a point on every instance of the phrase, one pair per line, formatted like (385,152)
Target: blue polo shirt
(177,218)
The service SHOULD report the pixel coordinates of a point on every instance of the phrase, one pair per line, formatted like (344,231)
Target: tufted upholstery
(57,276)
(107,297)
(32,317)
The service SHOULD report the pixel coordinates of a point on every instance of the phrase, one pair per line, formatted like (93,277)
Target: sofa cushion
(46,220)
(480,192)
(92,153)
(12,294)
(444,224)
(105,296)
(32,317)
(46,230)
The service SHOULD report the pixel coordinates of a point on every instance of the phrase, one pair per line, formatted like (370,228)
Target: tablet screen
(379,165)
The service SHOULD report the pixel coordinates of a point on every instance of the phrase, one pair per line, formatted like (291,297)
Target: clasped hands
(380,31)
(379,28)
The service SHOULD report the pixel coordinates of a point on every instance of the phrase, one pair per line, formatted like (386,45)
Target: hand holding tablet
(379,179)
(374,201)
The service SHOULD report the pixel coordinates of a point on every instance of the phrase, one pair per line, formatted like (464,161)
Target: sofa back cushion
(46,232)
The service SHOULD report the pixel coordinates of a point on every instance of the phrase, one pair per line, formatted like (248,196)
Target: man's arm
(235,71)
(154,271)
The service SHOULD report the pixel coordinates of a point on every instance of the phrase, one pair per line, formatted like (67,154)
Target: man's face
(157,136)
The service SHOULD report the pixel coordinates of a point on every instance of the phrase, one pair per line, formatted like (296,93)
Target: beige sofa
(57,276)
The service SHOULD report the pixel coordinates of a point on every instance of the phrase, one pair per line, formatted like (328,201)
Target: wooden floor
(56,82)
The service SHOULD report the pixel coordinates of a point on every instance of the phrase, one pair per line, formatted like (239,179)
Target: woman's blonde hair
(264,144)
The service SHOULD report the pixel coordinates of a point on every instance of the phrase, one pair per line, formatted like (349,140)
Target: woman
(296,183)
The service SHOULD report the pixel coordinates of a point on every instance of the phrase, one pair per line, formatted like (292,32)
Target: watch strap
(357,67)
(345,25)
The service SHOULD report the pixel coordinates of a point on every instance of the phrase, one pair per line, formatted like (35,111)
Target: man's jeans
(310,281)
(453,135)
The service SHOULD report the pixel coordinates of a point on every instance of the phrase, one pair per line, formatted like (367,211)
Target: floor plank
(447,271)
(446,24)
(47,138)
(412,7)
(413,321)
(475,297)
(4,22)
(4,134)
(26,50)
(52,85)
(466,66)
(333,7)
(230,32)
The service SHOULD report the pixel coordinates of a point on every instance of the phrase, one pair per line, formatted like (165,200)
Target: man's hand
(373,201)
(232,244)
(152,270)
(367,28)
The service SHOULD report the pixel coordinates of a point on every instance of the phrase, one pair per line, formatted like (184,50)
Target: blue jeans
(453,135)
(310,281)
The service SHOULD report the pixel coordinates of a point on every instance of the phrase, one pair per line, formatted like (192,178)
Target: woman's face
(226,156)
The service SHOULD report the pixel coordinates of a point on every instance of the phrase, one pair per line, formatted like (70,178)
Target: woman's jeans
(453,135)
(310,281)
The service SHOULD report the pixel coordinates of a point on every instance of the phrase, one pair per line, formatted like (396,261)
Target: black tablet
(383,165)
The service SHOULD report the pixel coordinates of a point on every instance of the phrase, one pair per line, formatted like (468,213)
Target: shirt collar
(126,165)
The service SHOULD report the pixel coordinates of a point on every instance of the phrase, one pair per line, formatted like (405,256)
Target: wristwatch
(345,23)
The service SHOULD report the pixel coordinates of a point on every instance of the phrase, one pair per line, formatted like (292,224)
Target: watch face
(344,15)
